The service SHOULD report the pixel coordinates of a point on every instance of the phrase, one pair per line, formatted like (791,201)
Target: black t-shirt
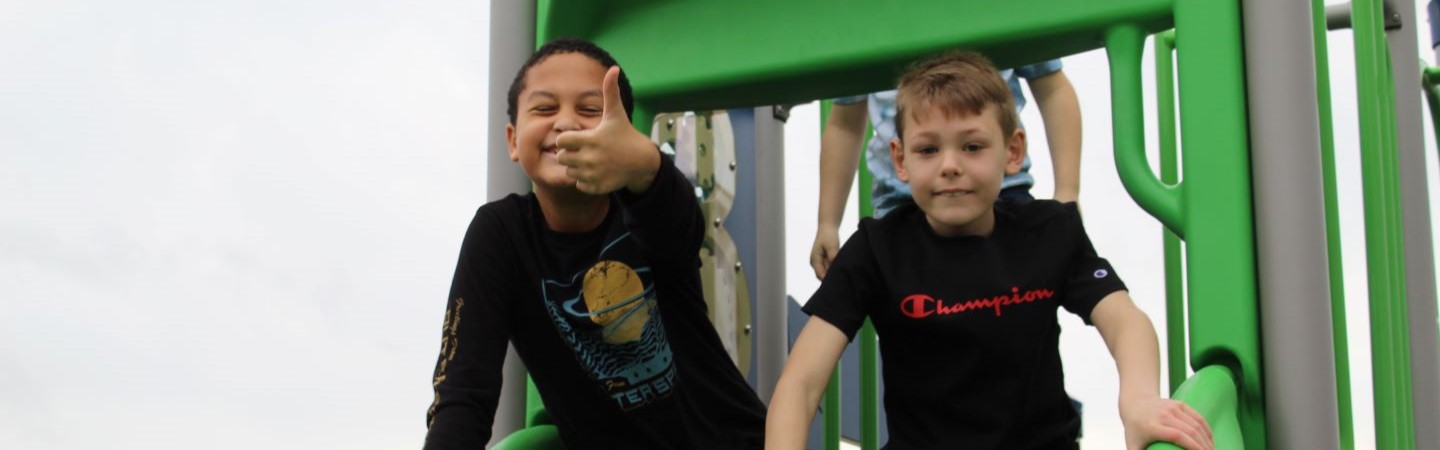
(967,324)
(610,323)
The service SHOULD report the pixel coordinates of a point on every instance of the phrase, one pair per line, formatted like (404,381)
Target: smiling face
(562,93)
(954,163)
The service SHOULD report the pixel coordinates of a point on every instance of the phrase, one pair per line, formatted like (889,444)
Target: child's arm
(807,372)
(840,148)
(613,155)
(475,332)
(1147,417)
(1060,109)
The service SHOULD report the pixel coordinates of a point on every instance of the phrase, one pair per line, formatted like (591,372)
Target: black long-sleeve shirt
(611,324)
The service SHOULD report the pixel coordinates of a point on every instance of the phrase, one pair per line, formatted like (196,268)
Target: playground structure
(1269,358)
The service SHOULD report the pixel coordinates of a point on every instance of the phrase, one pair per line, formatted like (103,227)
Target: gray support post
(1296,338)
(770,308)
(1415,201)
(512,39)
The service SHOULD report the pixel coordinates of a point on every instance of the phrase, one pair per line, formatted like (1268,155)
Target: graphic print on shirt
(608,314)
(920,306)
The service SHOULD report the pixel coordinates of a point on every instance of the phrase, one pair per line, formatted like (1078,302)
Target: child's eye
(543,109)
(591,110)
(927,149)
(973,147)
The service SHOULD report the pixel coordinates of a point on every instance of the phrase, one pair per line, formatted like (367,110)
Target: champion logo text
(919,306)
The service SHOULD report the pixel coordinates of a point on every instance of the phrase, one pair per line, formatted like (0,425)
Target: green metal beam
(704,54)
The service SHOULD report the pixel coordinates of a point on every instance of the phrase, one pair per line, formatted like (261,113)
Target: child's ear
(510,142)
(1015,149)
(897,159)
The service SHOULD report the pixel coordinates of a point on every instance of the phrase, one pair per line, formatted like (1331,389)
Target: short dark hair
(959,82)
(562,46)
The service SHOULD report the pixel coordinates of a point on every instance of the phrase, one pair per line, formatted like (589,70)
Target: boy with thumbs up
(593,277)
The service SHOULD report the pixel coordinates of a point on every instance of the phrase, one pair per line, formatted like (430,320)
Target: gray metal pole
(1415,198)
(512,39)
(770,307)
(1297,338)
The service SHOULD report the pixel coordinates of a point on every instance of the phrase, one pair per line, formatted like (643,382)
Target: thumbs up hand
(613,155)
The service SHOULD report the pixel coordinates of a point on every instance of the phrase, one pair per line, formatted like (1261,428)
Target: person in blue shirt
(844,131)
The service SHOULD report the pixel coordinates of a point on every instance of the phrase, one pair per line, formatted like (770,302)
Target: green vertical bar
(1219,224)
(869,389)
(1170,175)
(1379,165)
(869,343)
(830,411)
(1332,228)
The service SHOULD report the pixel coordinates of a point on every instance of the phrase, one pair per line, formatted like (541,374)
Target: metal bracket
(1337,17)
(782,113)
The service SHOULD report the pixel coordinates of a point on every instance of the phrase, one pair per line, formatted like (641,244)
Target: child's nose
(950,165)
(567,122)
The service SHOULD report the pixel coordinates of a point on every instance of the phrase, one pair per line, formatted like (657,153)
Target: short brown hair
(958,82)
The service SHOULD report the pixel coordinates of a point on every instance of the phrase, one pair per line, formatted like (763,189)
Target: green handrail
(1212,393)
(1332,228)
(1160,200)
(1170,175)
(541,437)
(1385,253)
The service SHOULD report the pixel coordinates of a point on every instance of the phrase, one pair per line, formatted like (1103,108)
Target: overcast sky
(232,224)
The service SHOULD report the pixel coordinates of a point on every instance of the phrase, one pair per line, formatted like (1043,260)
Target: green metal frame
(675,63)
(1224,326)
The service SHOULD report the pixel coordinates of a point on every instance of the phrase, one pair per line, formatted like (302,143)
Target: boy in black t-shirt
(593,277)
(963,293)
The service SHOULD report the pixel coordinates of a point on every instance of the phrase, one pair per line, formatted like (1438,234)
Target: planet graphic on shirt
(615,297)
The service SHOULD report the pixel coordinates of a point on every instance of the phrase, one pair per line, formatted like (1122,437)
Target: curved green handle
(1212,393)
(1123,44)
(1430,83)
(543,437)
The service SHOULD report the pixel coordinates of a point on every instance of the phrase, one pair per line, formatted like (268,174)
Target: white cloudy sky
(233,224)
